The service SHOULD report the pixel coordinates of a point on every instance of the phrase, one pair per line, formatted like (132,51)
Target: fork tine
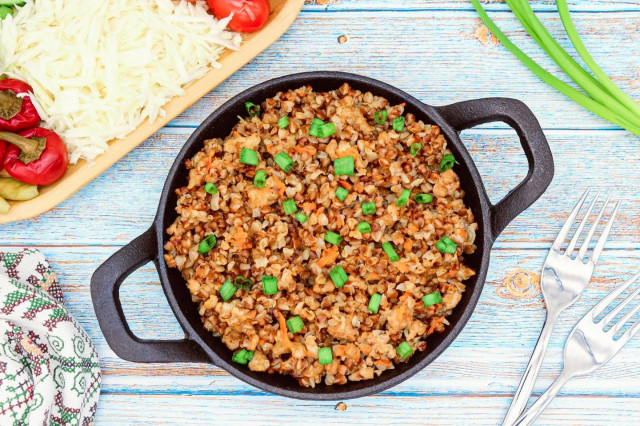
(600,307)
(587,240)
(603,237)
(611,315)
(574,240)
(630,333)
(617,326)
(562,235)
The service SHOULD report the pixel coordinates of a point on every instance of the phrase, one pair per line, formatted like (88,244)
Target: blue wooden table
(434,50)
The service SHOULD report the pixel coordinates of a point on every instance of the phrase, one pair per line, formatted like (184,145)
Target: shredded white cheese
(100,68)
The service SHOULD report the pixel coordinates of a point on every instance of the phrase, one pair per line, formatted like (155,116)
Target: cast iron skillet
(199,345)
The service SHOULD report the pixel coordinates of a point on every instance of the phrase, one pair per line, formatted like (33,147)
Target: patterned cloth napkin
(49,370)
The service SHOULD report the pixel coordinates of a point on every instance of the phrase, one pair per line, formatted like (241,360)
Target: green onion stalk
(603,97)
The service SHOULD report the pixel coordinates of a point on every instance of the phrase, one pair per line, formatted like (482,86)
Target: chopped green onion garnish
(374,302)
(432,298)
(243,356)
(210,188)
(338,276)
(284,161)
(343,166)
(207,244)
(364,227)
(295,324)
(260,179)
(368,208)
(242,282)
(324,356)
(249,156)
(332,237)
(269,285)
(380,117)
(289,206)
(391,252)
(423,198)
(301,217)
(447,162)
(446,245)
(227,290)
(404,350)
(316,125)
(327,130)
(283,122)
(403,198)
(341,193)
(240,357)
(398,124)
(415,148)
(252,109)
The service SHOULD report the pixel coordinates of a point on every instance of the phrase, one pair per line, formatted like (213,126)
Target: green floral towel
(49,370)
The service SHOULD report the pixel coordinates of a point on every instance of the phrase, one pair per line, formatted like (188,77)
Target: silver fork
(589,346)
(563,279)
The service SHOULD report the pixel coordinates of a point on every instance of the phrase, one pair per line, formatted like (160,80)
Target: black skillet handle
(105,285)
(467,114)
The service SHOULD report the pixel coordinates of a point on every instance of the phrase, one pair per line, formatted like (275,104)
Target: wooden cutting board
(283,13)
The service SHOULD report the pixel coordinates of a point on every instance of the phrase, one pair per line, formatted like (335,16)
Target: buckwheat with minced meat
(325,236)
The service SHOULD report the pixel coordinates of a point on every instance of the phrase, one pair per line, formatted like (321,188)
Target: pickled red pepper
(36,156)
(16,112)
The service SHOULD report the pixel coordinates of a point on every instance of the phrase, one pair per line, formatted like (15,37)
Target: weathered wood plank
(537,5)
(125,409)
(442,60)
(459,371)
(121,203)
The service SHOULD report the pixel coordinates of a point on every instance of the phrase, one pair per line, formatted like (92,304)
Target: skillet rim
(482,214)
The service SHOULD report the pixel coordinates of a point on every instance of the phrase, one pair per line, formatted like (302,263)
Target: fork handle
(521,397)
(541,403)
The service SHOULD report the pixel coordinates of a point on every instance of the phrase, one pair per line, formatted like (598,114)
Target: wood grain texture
(206,410)
(428,49)
(538,5)
(428,44)
(434,410)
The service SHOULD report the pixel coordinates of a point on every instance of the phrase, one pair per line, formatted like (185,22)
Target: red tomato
(248,15)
